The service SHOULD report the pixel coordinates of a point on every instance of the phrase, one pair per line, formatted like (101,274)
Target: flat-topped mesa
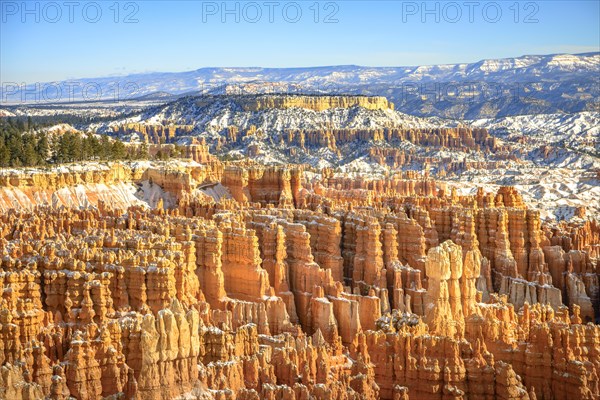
(315,103)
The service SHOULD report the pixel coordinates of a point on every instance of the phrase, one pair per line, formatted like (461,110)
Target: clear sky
(44,41)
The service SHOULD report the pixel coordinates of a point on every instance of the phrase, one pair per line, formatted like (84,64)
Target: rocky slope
(213,114)
(366,135)
(579,132)
(552,158)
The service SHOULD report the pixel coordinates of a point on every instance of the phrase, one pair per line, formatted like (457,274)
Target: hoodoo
(248,282)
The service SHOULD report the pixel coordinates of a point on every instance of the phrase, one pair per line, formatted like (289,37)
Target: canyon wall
(315,103)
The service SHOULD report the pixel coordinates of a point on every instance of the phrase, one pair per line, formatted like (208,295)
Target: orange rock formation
(293,288)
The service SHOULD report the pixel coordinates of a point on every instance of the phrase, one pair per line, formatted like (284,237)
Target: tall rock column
(209,268)
(438,311)
(368,261)
(504,262)
(244,277)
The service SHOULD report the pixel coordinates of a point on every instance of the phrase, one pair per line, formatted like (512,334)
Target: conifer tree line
(25,144)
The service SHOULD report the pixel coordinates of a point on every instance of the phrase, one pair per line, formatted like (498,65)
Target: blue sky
(47,41)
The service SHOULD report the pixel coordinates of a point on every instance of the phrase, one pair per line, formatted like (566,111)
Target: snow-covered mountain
(212,114)
(485,89)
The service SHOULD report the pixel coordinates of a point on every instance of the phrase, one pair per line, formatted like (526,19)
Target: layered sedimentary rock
(78,187)
(295,286)
(117,184)
(315,103)
(453,138)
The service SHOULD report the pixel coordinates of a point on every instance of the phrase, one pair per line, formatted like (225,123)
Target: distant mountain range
(557,83)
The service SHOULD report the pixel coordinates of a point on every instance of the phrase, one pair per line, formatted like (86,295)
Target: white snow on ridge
(556,192)
(529,67)
(550,128)
(575,137)
(216,116)
(6,113)
(119,195)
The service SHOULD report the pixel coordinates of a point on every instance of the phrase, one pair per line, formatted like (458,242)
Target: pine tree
(29,156)
(42,147)
(118,150)
(105,148)
(143,152)
(4,156)
(21,147)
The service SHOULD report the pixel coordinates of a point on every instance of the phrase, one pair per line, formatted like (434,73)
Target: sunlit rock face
(241,281)
(315,103)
